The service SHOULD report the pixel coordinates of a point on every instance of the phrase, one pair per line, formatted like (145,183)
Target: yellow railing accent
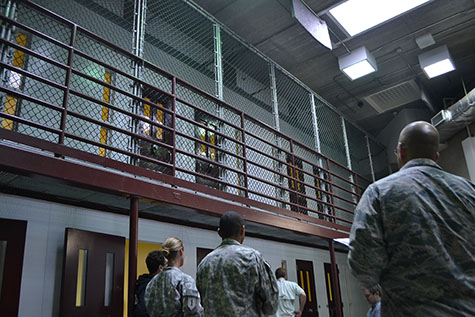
(11,102)
(106,97)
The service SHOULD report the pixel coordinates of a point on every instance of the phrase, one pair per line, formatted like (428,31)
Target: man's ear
(436,157)
(219,233)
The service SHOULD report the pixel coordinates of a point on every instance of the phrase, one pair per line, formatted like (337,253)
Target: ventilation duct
(396,96)
(456,117)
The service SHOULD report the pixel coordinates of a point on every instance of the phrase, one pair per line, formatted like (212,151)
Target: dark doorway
(331,289)
(12,247)
(306,280)
(201,253)
(93,274)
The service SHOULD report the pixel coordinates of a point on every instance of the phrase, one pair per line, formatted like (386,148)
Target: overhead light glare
(356,16)
(357,63)
(359,70)
(436,62)
(439,68)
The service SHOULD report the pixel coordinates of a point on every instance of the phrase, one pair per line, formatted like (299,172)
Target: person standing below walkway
(288,292)
(234,280)
(414,232)
(155,263)
(373,296)
(172,292)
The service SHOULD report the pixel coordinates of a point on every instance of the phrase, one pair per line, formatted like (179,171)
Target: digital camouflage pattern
(235,280)
(172,293)
(414,233)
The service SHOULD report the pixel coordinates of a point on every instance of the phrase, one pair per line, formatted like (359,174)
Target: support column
(336,285)
(321,174)
(370,159)
(278,142)
(348,158)
(218,83)
(140,10)
(133,246)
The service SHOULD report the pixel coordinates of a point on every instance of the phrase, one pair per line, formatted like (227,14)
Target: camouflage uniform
(414,233)
(172,293)
(235,280)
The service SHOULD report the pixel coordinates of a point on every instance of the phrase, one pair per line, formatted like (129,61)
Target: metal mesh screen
(295,111)
(379,158)
(112,20)
(180,40)
(246,83)
(332,143)
(358,150)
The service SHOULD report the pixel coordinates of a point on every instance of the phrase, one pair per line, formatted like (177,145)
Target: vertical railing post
(133,246)
(244,158)
(331,190)
(278,178)
(67,83)
(370,157)
(140,10)
(6,31)
(336,286)
(174,126)
(218,82)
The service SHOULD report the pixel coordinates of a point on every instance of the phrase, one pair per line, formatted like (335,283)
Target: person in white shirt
(288,292)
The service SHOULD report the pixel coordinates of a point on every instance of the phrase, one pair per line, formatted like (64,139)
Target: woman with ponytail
(172,292)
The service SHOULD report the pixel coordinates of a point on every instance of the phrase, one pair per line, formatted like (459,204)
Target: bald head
(418,140)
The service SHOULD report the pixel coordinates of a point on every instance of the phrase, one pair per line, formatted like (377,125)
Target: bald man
(414,233)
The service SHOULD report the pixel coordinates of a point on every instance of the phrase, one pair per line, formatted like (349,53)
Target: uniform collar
(229,242)
(421,162)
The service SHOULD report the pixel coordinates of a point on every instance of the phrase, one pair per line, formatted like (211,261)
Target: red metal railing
(237,155)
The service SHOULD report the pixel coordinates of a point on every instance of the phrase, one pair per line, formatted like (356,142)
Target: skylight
(356,16)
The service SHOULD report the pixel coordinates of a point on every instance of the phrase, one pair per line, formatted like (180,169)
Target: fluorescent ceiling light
(358,63)
(439,68)
(436,61)
(356,16)
(358,70)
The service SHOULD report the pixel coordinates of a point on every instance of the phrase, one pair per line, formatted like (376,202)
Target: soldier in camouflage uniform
(414,233)
(171,292)
(235,280)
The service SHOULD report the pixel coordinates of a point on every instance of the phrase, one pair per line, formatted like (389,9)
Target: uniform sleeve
(150,295)
(267,292)
(190,297)
(368,256)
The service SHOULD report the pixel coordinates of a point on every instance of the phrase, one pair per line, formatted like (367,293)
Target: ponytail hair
(171,247)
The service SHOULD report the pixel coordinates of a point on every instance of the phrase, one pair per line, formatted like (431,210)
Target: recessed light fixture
(436,61)
(356,16)
(357,63)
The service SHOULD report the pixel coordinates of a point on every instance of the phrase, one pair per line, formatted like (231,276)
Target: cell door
(93,274)
(331,289)
(12,247)
(306,280)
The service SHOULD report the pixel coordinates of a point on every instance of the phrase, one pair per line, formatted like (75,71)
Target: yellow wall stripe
(329,287)
(308,286)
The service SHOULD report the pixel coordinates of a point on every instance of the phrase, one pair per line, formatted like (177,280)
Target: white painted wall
(42,267)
